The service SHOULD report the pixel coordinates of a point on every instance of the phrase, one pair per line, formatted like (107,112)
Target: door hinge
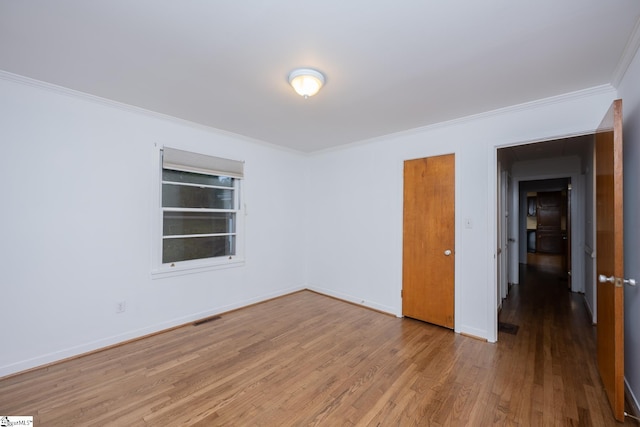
(401,293)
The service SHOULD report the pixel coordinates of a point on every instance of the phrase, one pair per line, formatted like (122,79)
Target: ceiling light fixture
(306,82)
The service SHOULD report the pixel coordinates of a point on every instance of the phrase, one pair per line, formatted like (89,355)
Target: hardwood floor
(550,261)
(306,359)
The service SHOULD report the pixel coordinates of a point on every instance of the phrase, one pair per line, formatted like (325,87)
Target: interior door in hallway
(610,257)
(428,240)
(549,212)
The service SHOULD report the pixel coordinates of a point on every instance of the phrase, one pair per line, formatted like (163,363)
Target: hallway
(555,347)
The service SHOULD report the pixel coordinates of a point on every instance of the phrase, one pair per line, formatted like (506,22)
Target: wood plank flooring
(306,359)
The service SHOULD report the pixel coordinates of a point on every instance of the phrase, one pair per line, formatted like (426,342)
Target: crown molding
(531,105)
(596,90)
(629,53)
(65,91)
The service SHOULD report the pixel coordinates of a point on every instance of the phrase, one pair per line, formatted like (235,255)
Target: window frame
(161,269)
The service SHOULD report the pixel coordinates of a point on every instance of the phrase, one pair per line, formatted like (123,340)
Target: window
(200,204)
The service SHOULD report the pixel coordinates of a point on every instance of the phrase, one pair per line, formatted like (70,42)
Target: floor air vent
(206,320)
(508,328)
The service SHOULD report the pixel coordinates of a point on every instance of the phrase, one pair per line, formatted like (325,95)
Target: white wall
(355,205)
(79,198)
(589,207)
(629,91)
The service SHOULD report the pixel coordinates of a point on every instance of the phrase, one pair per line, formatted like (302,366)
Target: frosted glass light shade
(306,82)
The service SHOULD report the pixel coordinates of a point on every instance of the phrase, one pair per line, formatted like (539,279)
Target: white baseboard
(631,399)
(354,300)
(472,332)
(89,347)
(463,329)
(589,309)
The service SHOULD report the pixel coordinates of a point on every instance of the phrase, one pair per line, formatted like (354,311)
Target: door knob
(447,252)
(610,279)
(604,279)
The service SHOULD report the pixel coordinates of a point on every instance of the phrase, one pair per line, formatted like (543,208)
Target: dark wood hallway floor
(556,332)
(306,359)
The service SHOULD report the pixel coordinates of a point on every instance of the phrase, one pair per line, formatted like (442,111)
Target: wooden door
(549,213)
(428,240)
(610,257)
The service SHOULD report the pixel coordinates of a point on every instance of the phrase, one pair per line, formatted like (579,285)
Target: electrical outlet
(121,307)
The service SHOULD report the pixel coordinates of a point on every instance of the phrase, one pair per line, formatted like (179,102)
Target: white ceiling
(390,65)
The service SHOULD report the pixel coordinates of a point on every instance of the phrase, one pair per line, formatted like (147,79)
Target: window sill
(192,267)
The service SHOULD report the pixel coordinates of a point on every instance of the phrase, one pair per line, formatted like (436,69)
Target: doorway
(603,191)
(546,224)
(564,165)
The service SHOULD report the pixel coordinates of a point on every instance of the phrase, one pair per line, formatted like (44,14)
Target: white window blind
(200,163)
